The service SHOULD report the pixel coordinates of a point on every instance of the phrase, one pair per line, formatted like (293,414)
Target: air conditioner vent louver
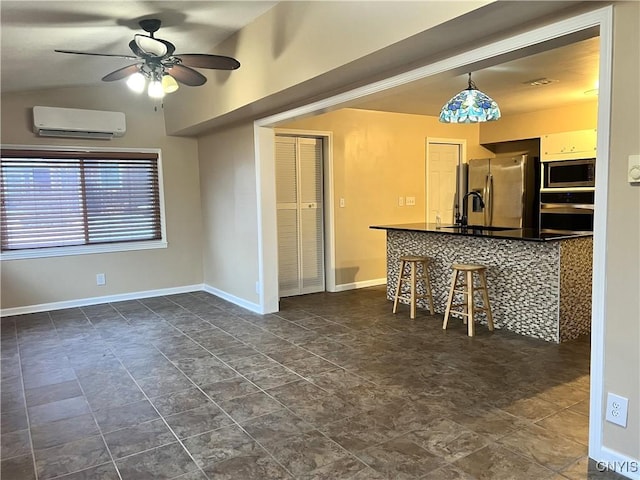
(78,123)
(66,133)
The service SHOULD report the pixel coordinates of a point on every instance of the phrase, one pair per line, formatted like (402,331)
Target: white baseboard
(241,302)
(83,302)
(362,284)
(610,460)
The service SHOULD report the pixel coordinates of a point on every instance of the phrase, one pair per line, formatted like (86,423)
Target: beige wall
(57,279)
(228,190)
(377,157)
(622,335)
(579,116)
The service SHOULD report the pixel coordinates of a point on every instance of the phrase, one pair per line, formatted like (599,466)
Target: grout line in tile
(92,411)
(26,410)
(82,469)
(196,386)
(263,391)
(237,424)
(153,406)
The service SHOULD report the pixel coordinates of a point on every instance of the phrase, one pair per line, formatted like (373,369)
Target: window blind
(64,198)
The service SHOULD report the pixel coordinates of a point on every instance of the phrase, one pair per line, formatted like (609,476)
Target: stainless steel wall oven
(566,211)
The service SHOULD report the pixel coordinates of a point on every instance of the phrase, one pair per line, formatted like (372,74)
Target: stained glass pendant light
(470,106)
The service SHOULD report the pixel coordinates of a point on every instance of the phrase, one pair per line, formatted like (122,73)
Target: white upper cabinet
(568,145)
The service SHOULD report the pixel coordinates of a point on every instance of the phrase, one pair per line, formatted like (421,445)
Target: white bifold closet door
(300,215)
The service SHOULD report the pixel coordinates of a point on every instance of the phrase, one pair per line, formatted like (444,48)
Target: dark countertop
(526,234)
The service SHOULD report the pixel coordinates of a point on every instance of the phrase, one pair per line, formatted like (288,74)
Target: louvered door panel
(311,250)
(286,171)
(288,259)
(300,215)
(311,215)
(287,205)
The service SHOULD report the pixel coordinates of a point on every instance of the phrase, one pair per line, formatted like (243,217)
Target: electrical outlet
(617,409)
(342,203)
(100,279)
(401,201)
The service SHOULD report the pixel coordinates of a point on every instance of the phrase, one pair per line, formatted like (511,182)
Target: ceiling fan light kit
(470,106)
(155,89)
(137,82)
(152,78)
(158,70)
(169,84)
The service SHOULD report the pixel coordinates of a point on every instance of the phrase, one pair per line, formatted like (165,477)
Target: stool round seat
(414,258)
(468,267)
(411,277)
(462,283)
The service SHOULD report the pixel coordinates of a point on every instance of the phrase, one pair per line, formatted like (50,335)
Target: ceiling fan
(157,68)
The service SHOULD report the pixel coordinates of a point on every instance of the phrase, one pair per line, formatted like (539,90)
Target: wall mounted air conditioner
(77,123)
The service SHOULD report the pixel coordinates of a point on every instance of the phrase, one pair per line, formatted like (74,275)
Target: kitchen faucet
(465,207)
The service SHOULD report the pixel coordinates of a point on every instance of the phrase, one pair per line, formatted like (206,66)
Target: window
(53,199)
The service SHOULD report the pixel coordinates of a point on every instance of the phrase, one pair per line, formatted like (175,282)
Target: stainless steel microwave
(569,173)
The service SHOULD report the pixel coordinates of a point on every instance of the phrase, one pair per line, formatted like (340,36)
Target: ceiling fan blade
(187,75)
(75,52)
(121,73)
(203,60)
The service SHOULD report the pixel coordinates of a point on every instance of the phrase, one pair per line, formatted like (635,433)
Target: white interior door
(300,215)
(442,162)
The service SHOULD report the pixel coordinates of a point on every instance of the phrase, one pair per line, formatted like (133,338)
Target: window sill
(81,250)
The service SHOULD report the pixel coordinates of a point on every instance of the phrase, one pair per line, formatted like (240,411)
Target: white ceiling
(31,30)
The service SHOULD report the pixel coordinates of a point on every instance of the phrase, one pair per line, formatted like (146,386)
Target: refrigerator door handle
(485,199)
(488,210)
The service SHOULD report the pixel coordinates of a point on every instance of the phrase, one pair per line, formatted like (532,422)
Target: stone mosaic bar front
(537,289)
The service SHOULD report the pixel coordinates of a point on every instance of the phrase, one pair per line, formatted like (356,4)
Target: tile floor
(333,387)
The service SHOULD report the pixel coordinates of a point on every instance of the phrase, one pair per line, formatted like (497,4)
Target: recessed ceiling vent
(540,81)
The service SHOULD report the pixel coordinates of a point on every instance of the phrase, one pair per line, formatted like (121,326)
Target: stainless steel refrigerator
(507,185)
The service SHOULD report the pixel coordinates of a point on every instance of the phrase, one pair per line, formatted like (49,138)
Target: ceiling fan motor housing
(150,25)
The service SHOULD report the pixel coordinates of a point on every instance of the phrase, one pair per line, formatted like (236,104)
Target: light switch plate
(634,169)
(410,201)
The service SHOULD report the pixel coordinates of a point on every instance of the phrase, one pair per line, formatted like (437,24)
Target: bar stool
(411,277)
(462,282)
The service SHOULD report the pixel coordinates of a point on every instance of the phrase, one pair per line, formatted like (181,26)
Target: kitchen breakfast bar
(539,283)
